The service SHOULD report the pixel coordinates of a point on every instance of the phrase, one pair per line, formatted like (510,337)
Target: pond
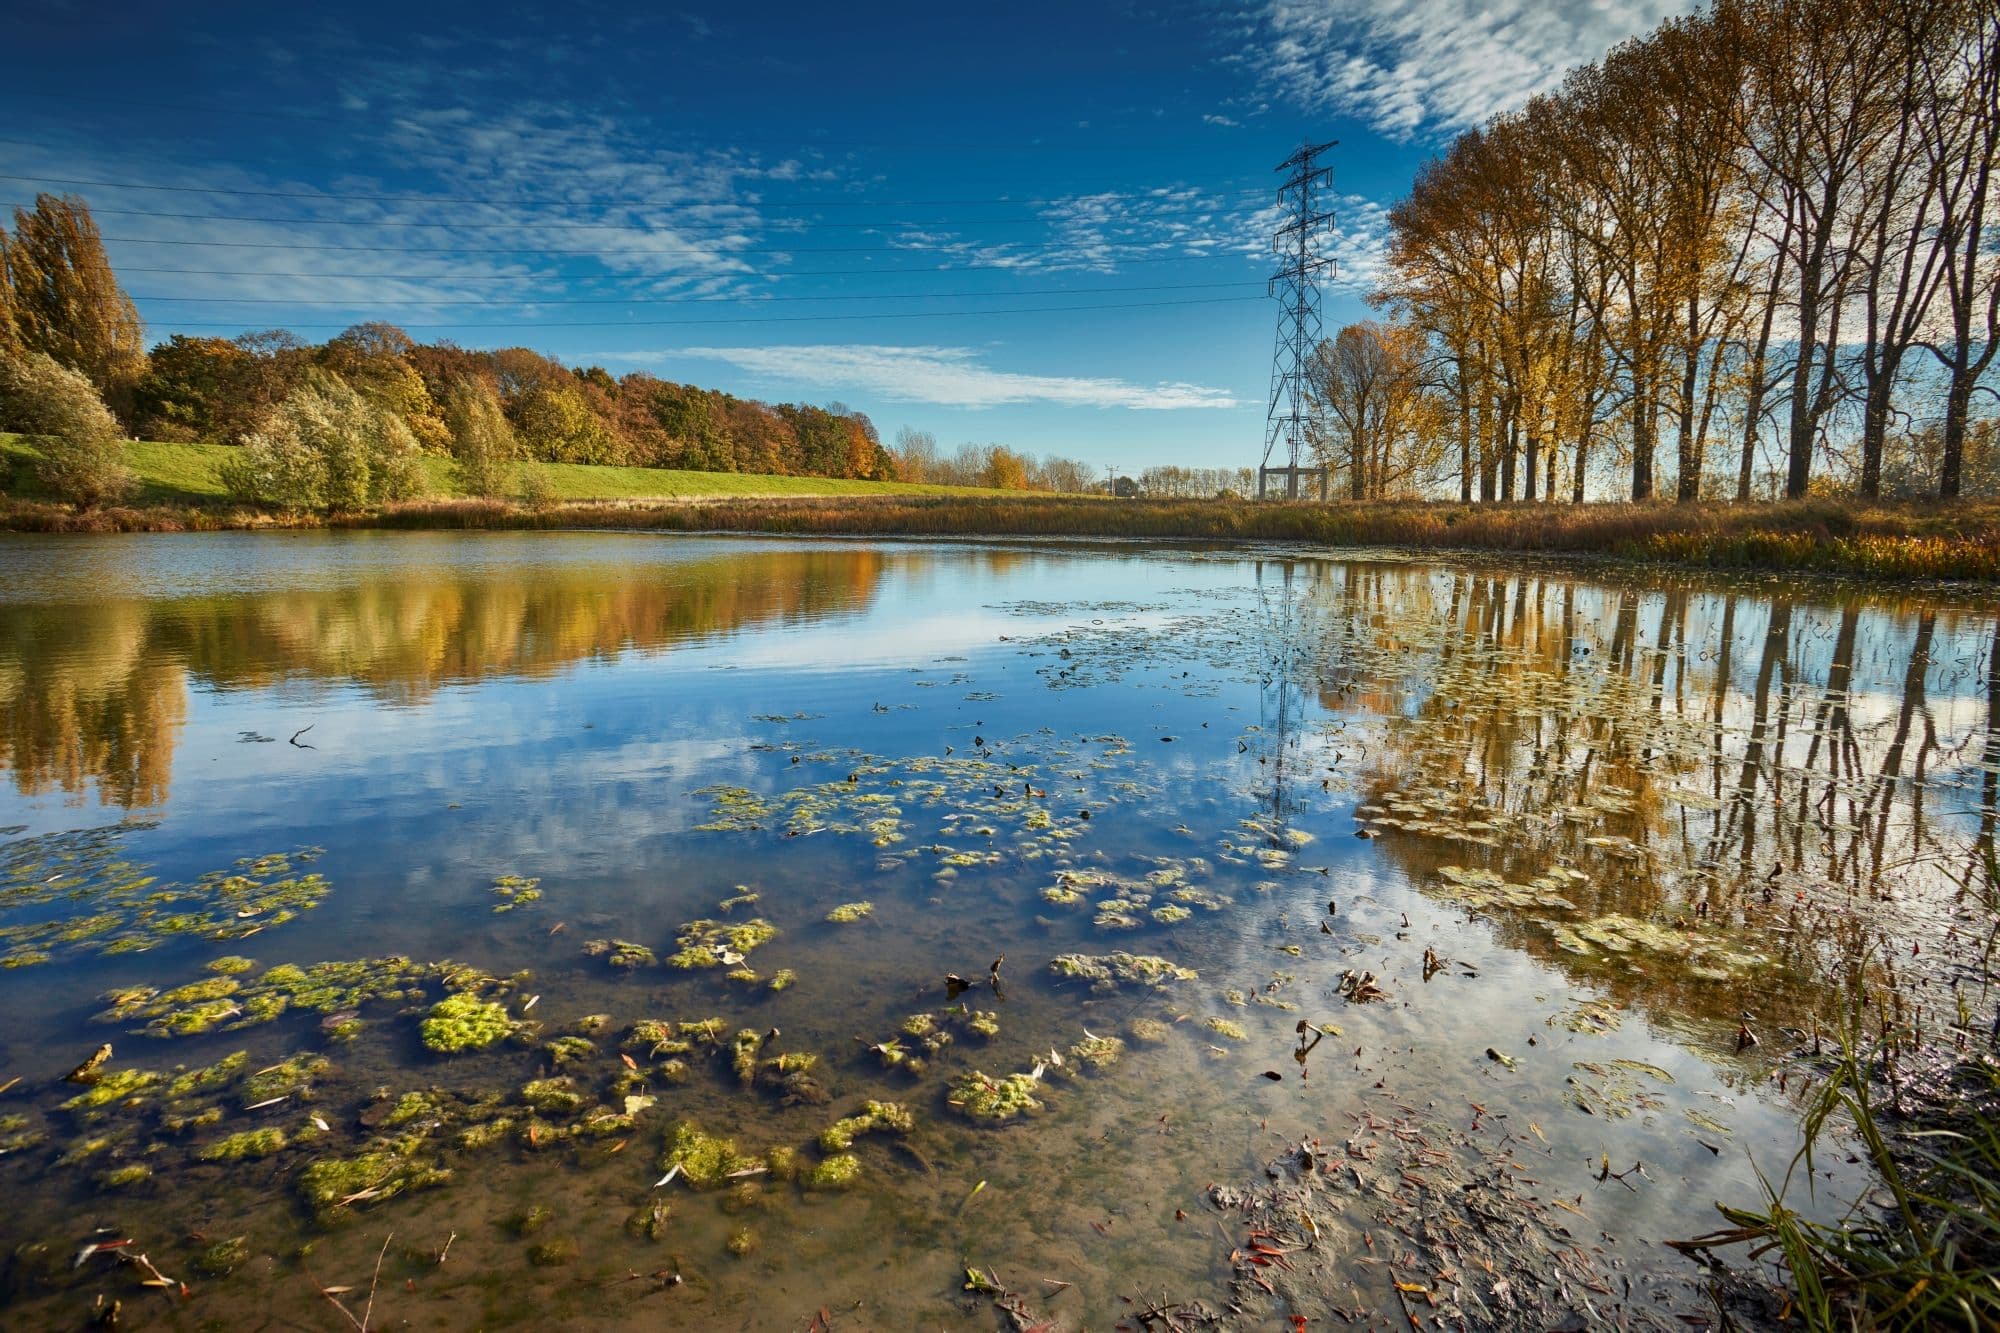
(590,930)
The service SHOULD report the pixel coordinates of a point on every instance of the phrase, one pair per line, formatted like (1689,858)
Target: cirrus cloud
(1407,66)
(952,377)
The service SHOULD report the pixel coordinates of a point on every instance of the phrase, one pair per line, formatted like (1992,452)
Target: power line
(629,202)
(749,224)
(710,253)
(1013,264)
(293,113)
(775,319)
(676,300)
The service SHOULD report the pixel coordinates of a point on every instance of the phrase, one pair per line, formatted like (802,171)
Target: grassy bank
(1877,540)
(191,475)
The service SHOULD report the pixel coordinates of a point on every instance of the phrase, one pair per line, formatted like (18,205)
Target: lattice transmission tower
(1293,420)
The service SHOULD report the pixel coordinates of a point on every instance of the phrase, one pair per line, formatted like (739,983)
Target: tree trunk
(1642,443)
(1799,469)
(1687,486)
(1951,469)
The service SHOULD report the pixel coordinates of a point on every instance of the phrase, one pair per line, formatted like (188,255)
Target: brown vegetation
(1884,539)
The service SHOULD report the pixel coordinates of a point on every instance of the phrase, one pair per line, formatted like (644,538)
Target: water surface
(1567,869)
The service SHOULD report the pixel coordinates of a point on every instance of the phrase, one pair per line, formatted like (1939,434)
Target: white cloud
(1213,119)
(1357,240)
(1405,66)
(951,376)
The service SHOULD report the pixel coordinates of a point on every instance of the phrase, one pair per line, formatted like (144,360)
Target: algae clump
(838,1172)
(250,1144)
(464,1022)
(705,1160)
(981,1097)
(885,1117)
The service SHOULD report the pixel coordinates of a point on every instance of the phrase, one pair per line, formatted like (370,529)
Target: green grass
(1924,1251)
(190,474)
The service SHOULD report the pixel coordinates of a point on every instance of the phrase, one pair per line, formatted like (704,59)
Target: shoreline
(1875,540)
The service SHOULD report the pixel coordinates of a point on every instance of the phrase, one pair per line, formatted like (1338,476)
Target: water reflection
(93,692)
(1772,790)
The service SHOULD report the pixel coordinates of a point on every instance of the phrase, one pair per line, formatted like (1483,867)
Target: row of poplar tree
(1756,251)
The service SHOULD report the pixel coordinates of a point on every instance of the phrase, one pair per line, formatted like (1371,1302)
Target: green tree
(198,389)
(65,300)
(81,459)
(327,447)
(481,439)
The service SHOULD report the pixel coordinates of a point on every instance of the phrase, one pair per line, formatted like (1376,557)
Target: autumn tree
(80,456)
(1960,78)
(1369,380)
(482,440)
(65,301)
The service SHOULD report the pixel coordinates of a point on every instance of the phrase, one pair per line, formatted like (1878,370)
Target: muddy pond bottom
(577,930)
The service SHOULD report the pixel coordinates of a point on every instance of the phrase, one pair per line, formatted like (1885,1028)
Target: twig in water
(368,1311)
(302,731)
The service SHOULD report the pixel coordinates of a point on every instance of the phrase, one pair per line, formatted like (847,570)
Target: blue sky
(1040,224)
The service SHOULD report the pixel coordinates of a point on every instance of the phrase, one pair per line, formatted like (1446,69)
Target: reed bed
(1880,540)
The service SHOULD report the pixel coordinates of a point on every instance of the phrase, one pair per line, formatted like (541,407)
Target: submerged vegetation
(126,909)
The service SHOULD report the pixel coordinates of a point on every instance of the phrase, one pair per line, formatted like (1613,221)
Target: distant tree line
(1754,252)
(343,423)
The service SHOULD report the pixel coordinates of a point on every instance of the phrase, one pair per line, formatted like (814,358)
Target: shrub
(481,440)
(326,447)
(537,489)
(82,459)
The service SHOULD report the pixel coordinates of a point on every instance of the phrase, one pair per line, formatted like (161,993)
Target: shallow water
(1610,828)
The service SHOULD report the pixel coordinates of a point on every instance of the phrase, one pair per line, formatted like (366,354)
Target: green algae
(704,1160)
(291,1077)
(513,891)
(247,1145)
(742,1242)
(1108,972)
(791,1076)
(125,1177)
(842,1171)
(782,1163)
(553,1096)
(231,965)
(849,913)
(334,1184)
(707,943)
(464,1022)
(127,909)
(782,979)
(123,1089)
(1149,1031)
(1222,1027)
(621,954)
(566,1051)
(874,1118)
(983,1098)
(1095,1053)
(554,1252)
(222,1257)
